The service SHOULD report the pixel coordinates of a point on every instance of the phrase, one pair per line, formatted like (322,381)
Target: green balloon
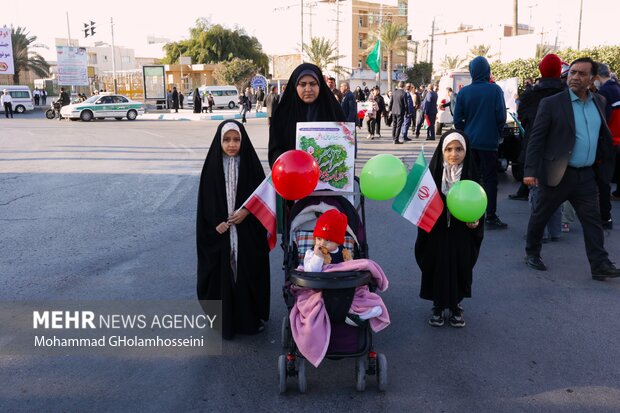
(383,177)
(467,201)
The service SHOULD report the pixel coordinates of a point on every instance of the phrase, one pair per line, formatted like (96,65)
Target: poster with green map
(332,144)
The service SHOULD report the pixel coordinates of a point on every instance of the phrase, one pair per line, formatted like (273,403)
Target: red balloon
(295,174)
(361,114)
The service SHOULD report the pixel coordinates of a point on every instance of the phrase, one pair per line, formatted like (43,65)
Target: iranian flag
(262,203)
(419,201)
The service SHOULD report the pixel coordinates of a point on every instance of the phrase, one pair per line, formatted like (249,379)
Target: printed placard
(332,144)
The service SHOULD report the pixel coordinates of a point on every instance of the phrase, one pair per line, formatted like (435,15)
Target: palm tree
(452,63)
(393,37)
(542,50)
(323,53)
(23,59)
(480,50)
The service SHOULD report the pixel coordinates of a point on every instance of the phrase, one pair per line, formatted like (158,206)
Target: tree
(23,58)
(215,43)
(323,53)
(393,37)
(452,63)
(480,50)
(236,72)
(420,74)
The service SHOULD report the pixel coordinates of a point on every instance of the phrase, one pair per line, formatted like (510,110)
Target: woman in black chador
(448,253)
(197,101)
(307,98)
(233,254)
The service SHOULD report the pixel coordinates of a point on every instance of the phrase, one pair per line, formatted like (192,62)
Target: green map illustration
(331,160)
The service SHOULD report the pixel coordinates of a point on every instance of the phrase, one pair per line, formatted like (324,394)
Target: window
(359,63)
(125,59)
(19,94)
(363,19)
(92,58)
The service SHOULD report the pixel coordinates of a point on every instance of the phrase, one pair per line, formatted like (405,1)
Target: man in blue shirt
(568,150)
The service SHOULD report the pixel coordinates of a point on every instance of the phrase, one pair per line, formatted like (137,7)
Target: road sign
(259,81)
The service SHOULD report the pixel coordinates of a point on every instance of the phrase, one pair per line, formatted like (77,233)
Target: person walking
(260,97)
(480,112)
(181,99)
(429,107)
(549,84)
(7,103)
(380,110)
(410,110)
(271,103)
(245,105)
(569,148)
(398,108)
(175,99)
(197,101)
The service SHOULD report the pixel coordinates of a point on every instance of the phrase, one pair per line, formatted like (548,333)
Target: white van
(223,96)
(22,98)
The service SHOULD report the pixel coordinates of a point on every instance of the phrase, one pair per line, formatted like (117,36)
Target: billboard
(6,52)
(72,66)
(154,82)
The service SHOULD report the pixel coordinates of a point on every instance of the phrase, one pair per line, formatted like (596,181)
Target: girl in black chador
(233,253)
(448,253)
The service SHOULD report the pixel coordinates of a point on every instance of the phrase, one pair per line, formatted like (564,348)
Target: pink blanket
(309,320)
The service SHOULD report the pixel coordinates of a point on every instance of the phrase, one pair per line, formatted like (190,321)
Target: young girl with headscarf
(448,253)
(233,254)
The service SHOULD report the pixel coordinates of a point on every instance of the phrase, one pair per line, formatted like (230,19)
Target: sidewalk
(188,114)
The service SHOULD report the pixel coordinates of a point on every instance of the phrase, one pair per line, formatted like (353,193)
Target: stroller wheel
(282,372)
(360,374)
(382,371)
(286,332)
(301,375)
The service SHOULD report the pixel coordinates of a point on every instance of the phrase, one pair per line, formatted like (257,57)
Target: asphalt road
(106,211)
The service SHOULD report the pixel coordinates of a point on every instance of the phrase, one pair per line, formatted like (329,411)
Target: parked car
(103,106)
(223,96)
(22,98)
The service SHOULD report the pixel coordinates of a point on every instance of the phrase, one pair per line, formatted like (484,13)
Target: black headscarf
(245,302)
(291,109)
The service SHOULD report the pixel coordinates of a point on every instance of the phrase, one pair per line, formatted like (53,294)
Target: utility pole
(579,30)
(113,57)
(302,30)
(515,16)
(338,40)
(69,30)
(432,41)
(388,69)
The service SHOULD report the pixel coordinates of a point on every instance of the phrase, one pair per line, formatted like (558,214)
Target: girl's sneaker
(436,319)
(456,318)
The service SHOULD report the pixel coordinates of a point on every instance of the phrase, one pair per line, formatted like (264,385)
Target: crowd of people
(570,148)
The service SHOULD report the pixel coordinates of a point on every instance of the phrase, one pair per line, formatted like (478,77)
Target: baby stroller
(337,290)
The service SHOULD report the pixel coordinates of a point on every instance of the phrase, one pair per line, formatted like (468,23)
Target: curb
(200,117)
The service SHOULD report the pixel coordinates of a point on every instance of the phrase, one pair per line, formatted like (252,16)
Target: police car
(103,106)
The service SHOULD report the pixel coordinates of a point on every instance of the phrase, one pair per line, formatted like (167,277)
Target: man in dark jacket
(175,99)
(64,97)
(348,103)
(480,112)
(271,103)
(429,107)
(610,90)
(568,150)
(398,108)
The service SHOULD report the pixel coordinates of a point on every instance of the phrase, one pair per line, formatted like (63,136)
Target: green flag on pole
(374,58)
